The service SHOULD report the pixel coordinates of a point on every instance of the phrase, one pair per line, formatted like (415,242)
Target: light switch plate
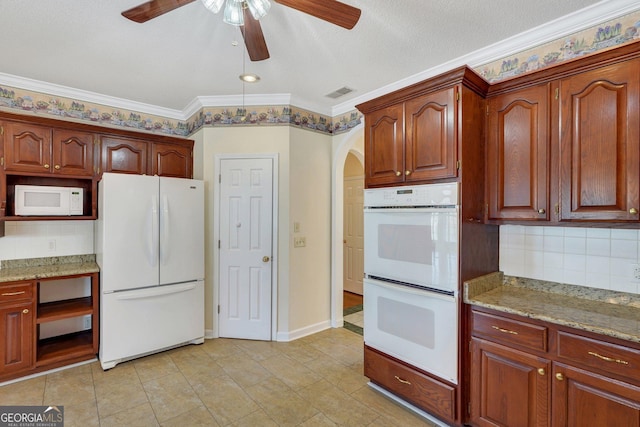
(299,242)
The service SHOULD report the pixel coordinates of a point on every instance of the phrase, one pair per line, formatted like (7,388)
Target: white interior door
(246,206)
(353,234)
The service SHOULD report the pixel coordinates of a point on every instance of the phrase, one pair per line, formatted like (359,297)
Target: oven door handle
(411,290)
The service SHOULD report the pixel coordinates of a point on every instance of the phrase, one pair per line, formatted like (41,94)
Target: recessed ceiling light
(249,78)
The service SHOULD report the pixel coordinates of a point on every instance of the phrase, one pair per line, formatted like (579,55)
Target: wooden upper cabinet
(41,149)
(430,144)
(27,147)
(171,160)
(123,155)
(517,155)
(599,144)
(384,146)
(73,152)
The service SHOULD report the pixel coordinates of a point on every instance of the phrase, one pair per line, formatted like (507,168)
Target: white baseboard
(303,332)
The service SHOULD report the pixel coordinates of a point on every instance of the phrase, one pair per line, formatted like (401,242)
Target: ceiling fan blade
(253,38)
(328,10)
(153,9)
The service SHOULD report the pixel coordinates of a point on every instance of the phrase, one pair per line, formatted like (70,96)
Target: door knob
(541,371)
(265,259)
(559,376)
(46,165)
(407,173)
(398,173)
(633,211)
(541,211)
(57,167)
(25,311)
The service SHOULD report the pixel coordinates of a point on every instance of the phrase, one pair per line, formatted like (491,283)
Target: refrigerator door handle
(166,231)
(155,230)
(155,291)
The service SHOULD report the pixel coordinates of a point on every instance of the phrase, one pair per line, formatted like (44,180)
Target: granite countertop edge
(47,267)
(610,313)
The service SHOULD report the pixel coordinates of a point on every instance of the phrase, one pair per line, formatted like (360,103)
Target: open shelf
(55,349)
(56,310)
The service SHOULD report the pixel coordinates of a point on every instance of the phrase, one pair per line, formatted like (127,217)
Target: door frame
(274,240)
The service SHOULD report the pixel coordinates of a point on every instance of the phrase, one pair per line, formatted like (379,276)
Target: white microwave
(48,201)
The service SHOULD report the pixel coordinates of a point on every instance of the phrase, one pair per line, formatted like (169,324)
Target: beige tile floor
(313,381)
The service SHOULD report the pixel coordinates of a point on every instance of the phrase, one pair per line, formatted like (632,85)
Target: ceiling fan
(331,11)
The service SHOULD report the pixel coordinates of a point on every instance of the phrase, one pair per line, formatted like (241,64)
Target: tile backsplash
(35,239)
(595,257)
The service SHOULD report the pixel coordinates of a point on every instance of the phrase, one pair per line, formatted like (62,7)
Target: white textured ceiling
(171,60)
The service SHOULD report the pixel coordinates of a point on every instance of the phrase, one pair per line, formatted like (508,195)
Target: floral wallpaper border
(603,36)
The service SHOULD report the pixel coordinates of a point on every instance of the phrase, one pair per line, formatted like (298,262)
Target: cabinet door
(518,155)
(72,152)
(27,148)
(509,388)
(171,160)
(600,125)
(384,146)
(16,330)
(430,143)
(123,155)
(581,398)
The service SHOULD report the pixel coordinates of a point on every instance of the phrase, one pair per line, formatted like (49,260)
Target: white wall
(35,239)
(595,257)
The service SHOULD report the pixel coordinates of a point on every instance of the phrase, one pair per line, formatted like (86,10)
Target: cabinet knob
(398,173)
(541,211)
(407,173)
(57,167)
(46,166)
(25,311)
(541,371)
(633,211)
(559,376)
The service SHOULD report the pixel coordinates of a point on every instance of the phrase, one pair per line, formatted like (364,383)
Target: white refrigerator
(149,239)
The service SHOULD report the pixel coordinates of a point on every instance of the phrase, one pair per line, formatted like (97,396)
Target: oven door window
(413,246)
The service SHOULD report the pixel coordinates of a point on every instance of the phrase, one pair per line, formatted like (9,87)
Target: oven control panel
(445,194)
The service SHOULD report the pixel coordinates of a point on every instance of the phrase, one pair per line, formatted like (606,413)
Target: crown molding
(87,96)
(572,23)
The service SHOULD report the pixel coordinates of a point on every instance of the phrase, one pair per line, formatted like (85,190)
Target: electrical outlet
(635,271)
(296,227)
(87,322)
(299,242)
(52,245)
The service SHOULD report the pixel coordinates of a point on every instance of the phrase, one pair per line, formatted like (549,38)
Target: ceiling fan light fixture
(233,13)
(258,8)
(214,6)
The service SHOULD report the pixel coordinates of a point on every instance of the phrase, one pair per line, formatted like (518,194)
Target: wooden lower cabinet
(410,384)
(22,351)
(508,387)
(580,379)
(582,398)
(17,319)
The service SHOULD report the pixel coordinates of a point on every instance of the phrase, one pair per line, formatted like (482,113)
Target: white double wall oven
(411,275)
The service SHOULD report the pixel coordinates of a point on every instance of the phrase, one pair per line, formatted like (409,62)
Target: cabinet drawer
(16,292)
(608,357)
(509,331)
(413,386)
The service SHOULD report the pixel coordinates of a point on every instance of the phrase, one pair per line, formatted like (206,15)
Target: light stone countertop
(611,313)
(50,267)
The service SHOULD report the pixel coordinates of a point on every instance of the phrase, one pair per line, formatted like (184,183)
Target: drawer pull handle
(402,381)
(608,359)
(506,331)
(8,294)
